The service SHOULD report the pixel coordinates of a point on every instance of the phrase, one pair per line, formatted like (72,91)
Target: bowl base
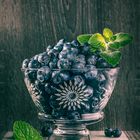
(69,137)
(75,132)
(72,130)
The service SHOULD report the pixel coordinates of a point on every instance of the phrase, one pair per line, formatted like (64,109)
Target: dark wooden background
(28,26)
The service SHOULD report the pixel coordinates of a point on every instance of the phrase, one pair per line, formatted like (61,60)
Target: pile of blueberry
(109,132)
(62,64)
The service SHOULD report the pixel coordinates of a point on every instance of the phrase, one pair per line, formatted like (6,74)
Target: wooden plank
(94,135)
(99,135)
(133,135)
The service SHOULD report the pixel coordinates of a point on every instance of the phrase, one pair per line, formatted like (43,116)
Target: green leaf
(93,49)
(122,38)
(112,58)
(114,45)
(97,41)
(107,33)
(83,38)
(24,131)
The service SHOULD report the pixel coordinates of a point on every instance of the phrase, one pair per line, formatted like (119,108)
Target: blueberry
(65,75)
(74,116)
(116,132)
(49,48)
(89,68)
(58,48)
(56,78)
(25,63)
(60,42)
(80,59)
(101,92)
(34,64)
(74,50)
(71,55)
(41,78)
(91,74)
(47,88)
(78,79)
(35,57)
(75,43)
(89,91)
(95,109)
(85,49)
(53,53)
(44,58)
(54,73)
(101,63)
(39,85)
(43,74)
(47,131)
(63,54)
(95,101)
(78,68)
(30,74)
(64,64)
(92,60)
(53,63)
(101,79)
(67,46)
(108,132)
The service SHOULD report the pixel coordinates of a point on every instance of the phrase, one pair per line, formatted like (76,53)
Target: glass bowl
(71,99)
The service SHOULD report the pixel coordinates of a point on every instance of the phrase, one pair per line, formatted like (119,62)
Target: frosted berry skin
(25,63)
(43,74)
(67,80)
(34,64)
(108,132)
(116,132)
(64,64)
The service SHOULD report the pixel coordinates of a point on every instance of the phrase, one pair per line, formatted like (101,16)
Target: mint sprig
(112,58)
(83,38)
(107,33)
(24,131)
(108,44)
(119,40)
(97,41)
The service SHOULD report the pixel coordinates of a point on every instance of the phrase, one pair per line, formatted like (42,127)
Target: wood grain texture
(132,135)
(28,26)
(94,135)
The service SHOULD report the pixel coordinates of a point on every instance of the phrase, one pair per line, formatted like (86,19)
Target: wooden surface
(28,26)
(96,135)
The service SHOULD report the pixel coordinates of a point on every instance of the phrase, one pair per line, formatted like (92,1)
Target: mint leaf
(97,41)
(112,58)
(122,38)
(114,45)
(83,38)
(107,33)
(24,131)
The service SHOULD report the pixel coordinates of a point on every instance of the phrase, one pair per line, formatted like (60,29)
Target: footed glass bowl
(71,99)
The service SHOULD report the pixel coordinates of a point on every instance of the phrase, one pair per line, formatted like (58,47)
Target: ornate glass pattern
(72,96)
